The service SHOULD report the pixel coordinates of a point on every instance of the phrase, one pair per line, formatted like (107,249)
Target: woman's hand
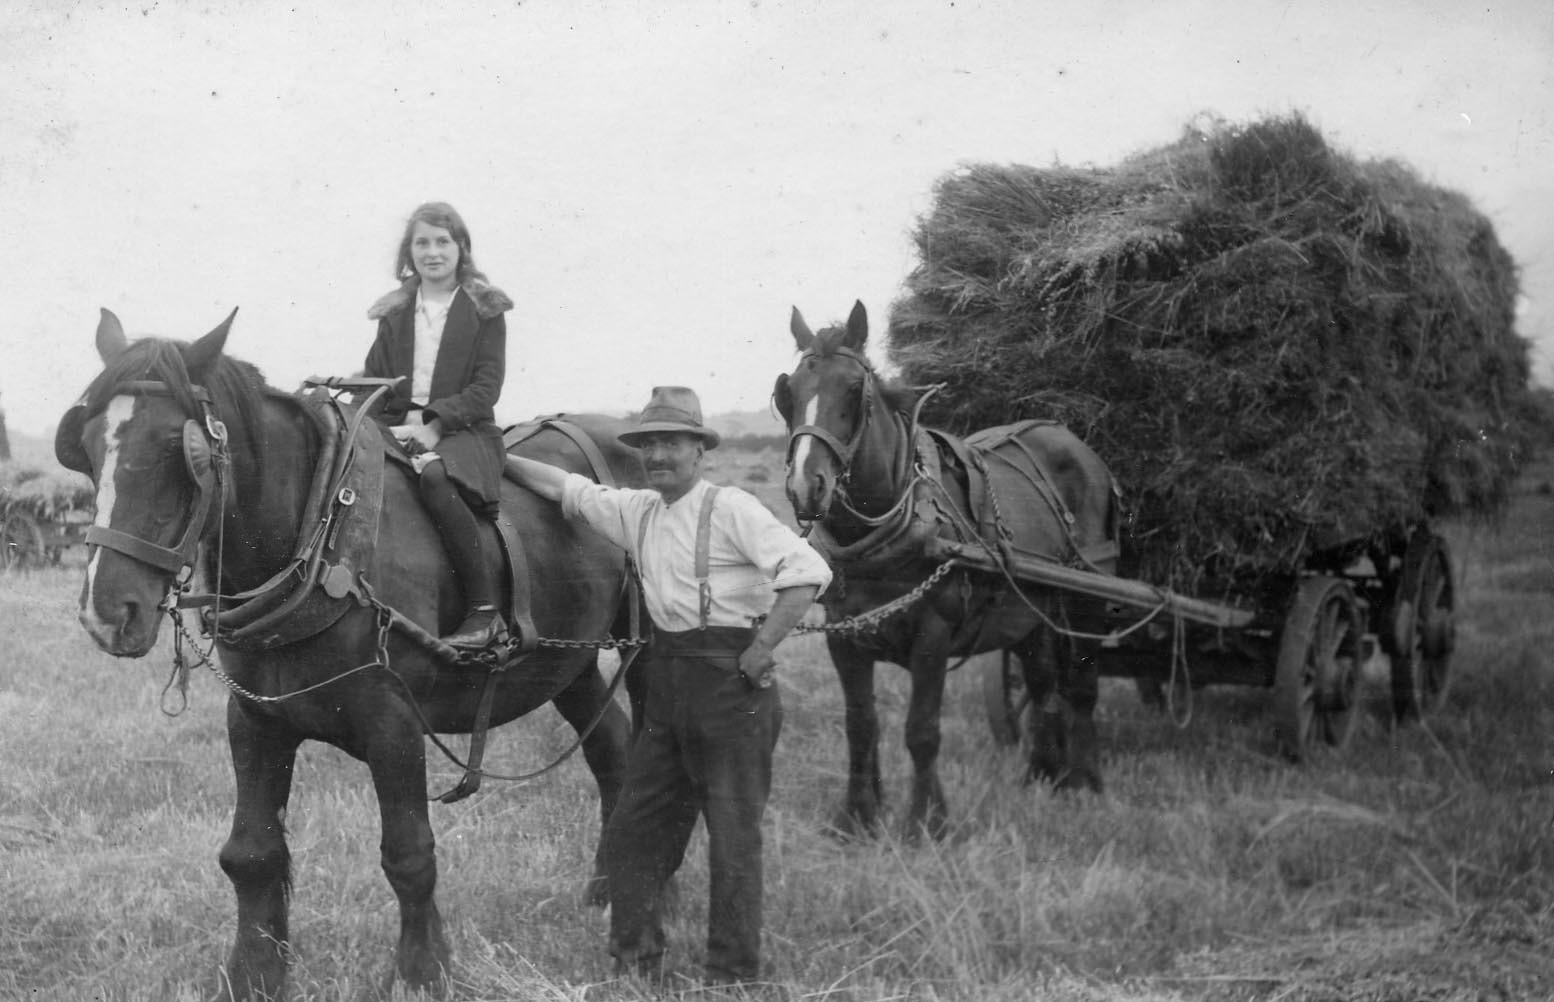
(426,436)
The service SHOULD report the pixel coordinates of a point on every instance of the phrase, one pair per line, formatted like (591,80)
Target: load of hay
(1276,347)
(48,495)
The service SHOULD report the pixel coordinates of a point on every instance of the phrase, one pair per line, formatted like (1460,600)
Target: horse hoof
(430,974)
(1043,771)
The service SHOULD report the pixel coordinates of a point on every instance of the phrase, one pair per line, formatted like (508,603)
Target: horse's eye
(852,403)
(161,456)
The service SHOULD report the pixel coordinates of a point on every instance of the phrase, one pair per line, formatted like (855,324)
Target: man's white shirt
(751,554)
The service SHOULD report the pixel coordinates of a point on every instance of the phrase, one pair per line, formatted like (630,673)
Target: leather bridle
(844,451)
(207,459)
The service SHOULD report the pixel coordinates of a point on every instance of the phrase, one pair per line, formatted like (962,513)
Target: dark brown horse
(146,431)
(879,490)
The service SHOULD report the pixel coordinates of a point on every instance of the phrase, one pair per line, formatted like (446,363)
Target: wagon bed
(1309,636)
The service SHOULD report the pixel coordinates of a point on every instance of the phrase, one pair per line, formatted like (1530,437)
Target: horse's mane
(236,388)
(898,398)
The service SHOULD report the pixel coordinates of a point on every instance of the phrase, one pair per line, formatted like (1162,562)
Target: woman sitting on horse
(443,330)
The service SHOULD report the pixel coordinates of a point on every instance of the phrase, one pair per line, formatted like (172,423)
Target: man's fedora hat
(673,408)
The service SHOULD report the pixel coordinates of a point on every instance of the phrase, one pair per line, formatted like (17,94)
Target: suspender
(703,548)
(703,544)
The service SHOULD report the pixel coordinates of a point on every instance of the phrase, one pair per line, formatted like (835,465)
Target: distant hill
(32,450)
(750,426)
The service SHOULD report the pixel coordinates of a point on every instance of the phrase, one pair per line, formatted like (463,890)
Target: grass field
(1419,866)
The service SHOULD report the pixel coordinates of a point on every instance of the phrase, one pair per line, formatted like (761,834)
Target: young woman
(443,329)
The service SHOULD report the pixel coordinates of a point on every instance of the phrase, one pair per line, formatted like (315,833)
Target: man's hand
(756,662)
(758,665)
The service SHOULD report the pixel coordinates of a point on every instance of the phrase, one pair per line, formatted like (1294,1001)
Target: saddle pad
(1020,507)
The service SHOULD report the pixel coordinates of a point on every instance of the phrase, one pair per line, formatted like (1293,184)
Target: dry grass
(1416,867)
(1273,344)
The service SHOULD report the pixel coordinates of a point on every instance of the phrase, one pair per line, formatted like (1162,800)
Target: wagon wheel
(21,541)
(1005,698)
(1317,682)
(1425,629)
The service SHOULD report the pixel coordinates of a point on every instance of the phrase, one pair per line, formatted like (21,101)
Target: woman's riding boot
(483,623)
(482,627)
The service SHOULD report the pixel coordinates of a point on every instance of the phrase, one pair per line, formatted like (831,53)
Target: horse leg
(1079,680)
(927,664)
(396,756)
(582,703)
(1038,659)
(255,857)
(859,813)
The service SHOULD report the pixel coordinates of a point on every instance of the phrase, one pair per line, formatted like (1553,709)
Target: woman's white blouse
(430,319)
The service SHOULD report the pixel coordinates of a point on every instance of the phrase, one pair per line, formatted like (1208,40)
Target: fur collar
(488,300)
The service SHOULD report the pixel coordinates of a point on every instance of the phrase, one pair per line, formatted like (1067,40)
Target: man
(710,559)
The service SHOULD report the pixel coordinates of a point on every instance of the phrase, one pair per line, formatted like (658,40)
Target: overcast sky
(655,184)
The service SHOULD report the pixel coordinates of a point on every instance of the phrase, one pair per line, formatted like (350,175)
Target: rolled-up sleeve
(609,511)
(784,557)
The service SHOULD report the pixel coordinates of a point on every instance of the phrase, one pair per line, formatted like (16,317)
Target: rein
(208,457)
(842,450)
(845,452)
(883,528)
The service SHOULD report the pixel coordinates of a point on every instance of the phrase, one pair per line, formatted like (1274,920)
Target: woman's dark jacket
(466,380)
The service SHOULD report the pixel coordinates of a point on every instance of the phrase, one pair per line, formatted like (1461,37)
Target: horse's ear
(207,349)
(110,336)
(782,396)
(802,335)
(857,327)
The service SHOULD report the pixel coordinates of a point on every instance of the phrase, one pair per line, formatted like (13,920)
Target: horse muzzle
(810,494)
(122,617)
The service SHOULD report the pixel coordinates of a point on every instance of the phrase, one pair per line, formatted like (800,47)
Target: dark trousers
(455,521)
(705,748)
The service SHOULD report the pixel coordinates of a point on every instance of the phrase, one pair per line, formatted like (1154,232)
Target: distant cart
(42,515)
(1308,636)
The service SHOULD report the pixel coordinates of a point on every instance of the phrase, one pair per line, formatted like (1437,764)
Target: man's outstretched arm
(541,478)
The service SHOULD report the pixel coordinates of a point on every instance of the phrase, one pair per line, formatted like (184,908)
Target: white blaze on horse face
(117,414)
(801,450)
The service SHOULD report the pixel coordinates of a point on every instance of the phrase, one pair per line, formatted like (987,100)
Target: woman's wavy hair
(444,215)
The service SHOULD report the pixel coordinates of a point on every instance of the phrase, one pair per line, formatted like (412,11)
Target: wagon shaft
(1125,591)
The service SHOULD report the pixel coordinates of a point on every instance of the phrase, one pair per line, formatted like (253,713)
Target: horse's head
(826,402)
(145,431)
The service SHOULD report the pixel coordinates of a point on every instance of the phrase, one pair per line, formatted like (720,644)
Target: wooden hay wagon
(42,516)
(1293,358)
(1383,603)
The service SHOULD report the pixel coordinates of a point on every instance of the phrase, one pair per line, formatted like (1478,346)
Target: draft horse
(148,430)
(877,489)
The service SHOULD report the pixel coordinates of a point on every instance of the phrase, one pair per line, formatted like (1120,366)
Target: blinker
(69,450)
(782,396)
(196,451)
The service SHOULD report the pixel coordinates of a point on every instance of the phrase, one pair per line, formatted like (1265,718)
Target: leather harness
(325,576)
